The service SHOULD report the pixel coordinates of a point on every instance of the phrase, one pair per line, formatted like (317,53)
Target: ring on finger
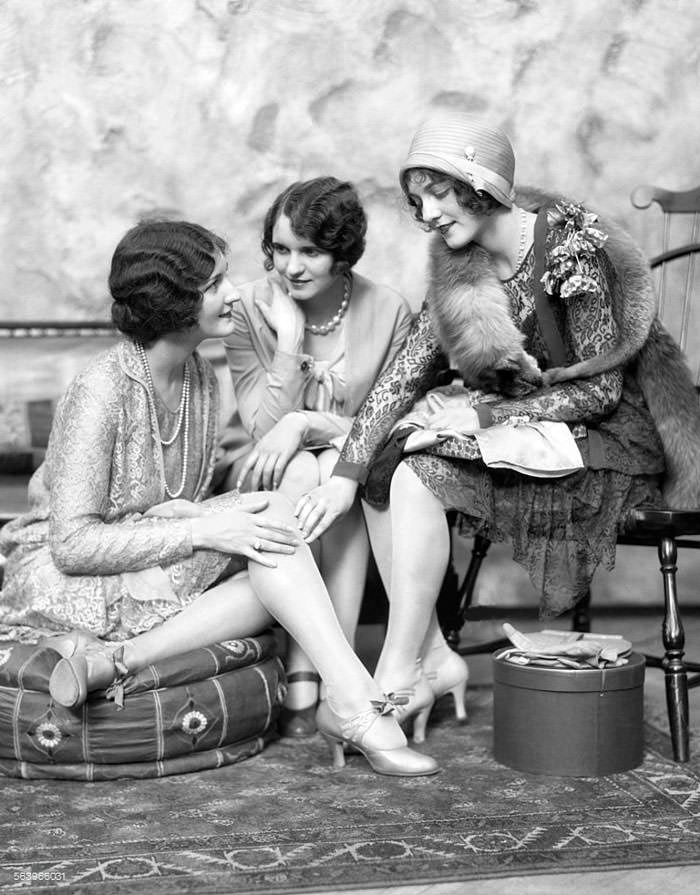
(257,545)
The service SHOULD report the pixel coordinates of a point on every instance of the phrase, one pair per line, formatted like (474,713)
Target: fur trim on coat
(463,285)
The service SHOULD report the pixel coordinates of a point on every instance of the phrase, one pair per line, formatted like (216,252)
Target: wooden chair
(666,529)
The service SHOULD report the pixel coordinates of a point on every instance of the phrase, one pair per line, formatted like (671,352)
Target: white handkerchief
(540,448)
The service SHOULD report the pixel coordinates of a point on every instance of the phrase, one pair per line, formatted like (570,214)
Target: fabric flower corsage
(570,267)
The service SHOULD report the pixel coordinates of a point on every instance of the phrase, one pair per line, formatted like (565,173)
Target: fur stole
(470,313)
(464,281)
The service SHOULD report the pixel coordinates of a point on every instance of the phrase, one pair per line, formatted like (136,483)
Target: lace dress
(86,555)
(561,529)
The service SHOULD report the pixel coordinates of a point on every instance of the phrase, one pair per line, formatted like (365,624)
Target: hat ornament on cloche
(468,149)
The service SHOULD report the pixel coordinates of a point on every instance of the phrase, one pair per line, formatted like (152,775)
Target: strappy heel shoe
(415,703)
(299,722)
(397,761)
(450,676)
(89,668)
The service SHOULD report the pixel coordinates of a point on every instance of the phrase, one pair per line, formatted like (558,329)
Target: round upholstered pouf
(203,709)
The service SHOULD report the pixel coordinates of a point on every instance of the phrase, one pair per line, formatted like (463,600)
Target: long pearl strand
(523,239)
(183,415)
(322,329)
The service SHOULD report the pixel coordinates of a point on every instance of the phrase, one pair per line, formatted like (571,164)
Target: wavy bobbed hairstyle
(473,201)
(157,273)
(328,213)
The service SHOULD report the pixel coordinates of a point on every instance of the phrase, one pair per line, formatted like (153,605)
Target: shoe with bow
(377,736)
(414,702)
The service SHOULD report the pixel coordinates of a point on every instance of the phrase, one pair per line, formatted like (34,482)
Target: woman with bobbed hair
(308,343)
(120,561)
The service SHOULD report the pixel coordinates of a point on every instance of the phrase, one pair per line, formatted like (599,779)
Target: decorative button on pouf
(569,722)
(203,709)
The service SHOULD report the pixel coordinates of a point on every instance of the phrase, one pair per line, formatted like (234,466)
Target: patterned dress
(561,529)
(86,555)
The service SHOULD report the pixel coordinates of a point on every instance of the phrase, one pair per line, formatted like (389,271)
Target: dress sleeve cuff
(485,415)
(354,471)
(289,364)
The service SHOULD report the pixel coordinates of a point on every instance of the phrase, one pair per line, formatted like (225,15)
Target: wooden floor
(678,880)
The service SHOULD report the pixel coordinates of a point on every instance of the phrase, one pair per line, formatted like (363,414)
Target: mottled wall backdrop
(206,108)
(117,109)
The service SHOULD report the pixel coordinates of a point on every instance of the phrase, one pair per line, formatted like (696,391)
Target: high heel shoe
(396,761)
(450,676)
(66,644)
(299,722)
(89,668)
(415,703)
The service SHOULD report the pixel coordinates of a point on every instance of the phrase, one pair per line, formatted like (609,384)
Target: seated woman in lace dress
(121,558)
(308,343)
(458,178)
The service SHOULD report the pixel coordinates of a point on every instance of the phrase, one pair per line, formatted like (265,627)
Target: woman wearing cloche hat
(538,305)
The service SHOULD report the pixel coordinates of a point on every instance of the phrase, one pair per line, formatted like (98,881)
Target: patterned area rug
(285,821)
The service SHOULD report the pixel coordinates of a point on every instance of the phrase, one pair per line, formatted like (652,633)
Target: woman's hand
(284,316)
(244,532)
(175,509)
(268,459)
(318,510)
(462,419)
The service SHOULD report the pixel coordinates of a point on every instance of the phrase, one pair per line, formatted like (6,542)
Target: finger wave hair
(157,272)
(476,202)
(326,211)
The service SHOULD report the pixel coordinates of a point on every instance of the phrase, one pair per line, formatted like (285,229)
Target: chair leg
(673,664)
(448,606)
(465,592)
(454,599)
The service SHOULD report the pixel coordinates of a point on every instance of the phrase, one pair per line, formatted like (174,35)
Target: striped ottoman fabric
(203,709)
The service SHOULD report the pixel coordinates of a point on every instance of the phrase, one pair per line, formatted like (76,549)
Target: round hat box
(568,722)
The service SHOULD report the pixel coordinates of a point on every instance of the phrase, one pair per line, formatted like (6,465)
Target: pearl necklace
(523,240)
(322,329)
(182,414)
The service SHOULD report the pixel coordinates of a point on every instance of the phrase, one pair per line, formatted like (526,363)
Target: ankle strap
(115,691)
(296,677)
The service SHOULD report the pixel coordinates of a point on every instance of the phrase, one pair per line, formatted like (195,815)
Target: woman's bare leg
(417,529)
(435,649)
(444,670)
(293,593)
(300,476)
(344,556)
(229,610)
(342,560)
